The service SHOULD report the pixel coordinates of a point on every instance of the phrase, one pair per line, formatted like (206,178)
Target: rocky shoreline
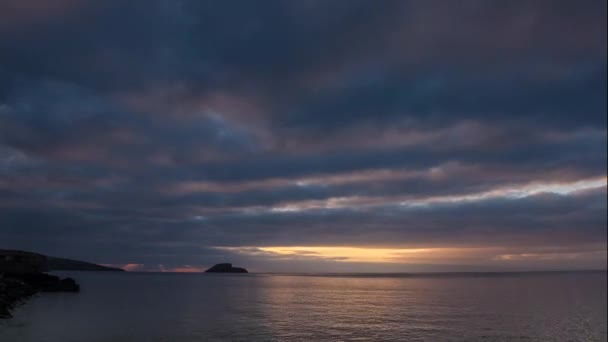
(16,288)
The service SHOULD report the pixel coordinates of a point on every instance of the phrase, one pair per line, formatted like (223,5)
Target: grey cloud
(106,107)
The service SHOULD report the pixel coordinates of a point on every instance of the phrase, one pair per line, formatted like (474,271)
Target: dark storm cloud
(154,131)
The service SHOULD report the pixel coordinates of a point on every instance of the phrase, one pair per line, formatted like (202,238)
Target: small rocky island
(23,274)
(226,268)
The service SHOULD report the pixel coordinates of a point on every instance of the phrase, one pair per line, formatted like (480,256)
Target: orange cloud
(184,269)
(132,267)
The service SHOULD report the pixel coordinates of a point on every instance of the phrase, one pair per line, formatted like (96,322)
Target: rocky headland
(226,268)
(23,274)
(16,288)
(62,264)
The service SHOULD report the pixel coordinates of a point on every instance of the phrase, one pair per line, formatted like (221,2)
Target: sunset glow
(351,254)
(304,170)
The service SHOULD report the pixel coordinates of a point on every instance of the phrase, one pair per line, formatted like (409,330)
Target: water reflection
(197,307)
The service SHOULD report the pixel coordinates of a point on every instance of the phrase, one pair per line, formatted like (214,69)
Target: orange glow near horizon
(444,256)
(184,269)
(431,255)
(356,254)
(132,267)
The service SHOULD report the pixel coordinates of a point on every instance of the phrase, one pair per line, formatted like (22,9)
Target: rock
(12,293)
(4,313)
(70,285)
(49,283)
(16,288)
(226,268)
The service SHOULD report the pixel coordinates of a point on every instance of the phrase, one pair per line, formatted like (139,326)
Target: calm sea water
(207,307)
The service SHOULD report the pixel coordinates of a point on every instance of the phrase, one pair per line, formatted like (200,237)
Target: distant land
(226,268)
(62,264)
(29,262)
(23,274)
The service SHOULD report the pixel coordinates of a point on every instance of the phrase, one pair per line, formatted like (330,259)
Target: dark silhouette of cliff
(16,261)
(23,274)
(61,264)
(226,268)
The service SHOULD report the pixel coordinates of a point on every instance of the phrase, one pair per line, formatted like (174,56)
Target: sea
(133,307)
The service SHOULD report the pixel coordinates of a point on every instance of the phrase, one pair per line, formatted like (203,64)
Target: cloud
(151,132)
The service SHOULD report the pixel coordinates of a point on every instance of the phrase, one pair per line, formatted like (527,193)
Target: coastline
(13,292)
(23,274)
(15,289)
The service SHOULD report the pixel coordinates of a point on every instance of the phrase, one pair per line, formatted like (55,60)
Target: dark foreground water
(207,307)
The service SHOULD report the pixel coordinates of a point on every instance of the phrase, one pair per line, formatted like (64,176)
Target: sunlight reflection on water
(204,307)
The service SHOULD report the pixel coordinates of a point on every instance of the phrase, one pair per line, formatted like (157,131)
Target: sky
(305,136)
